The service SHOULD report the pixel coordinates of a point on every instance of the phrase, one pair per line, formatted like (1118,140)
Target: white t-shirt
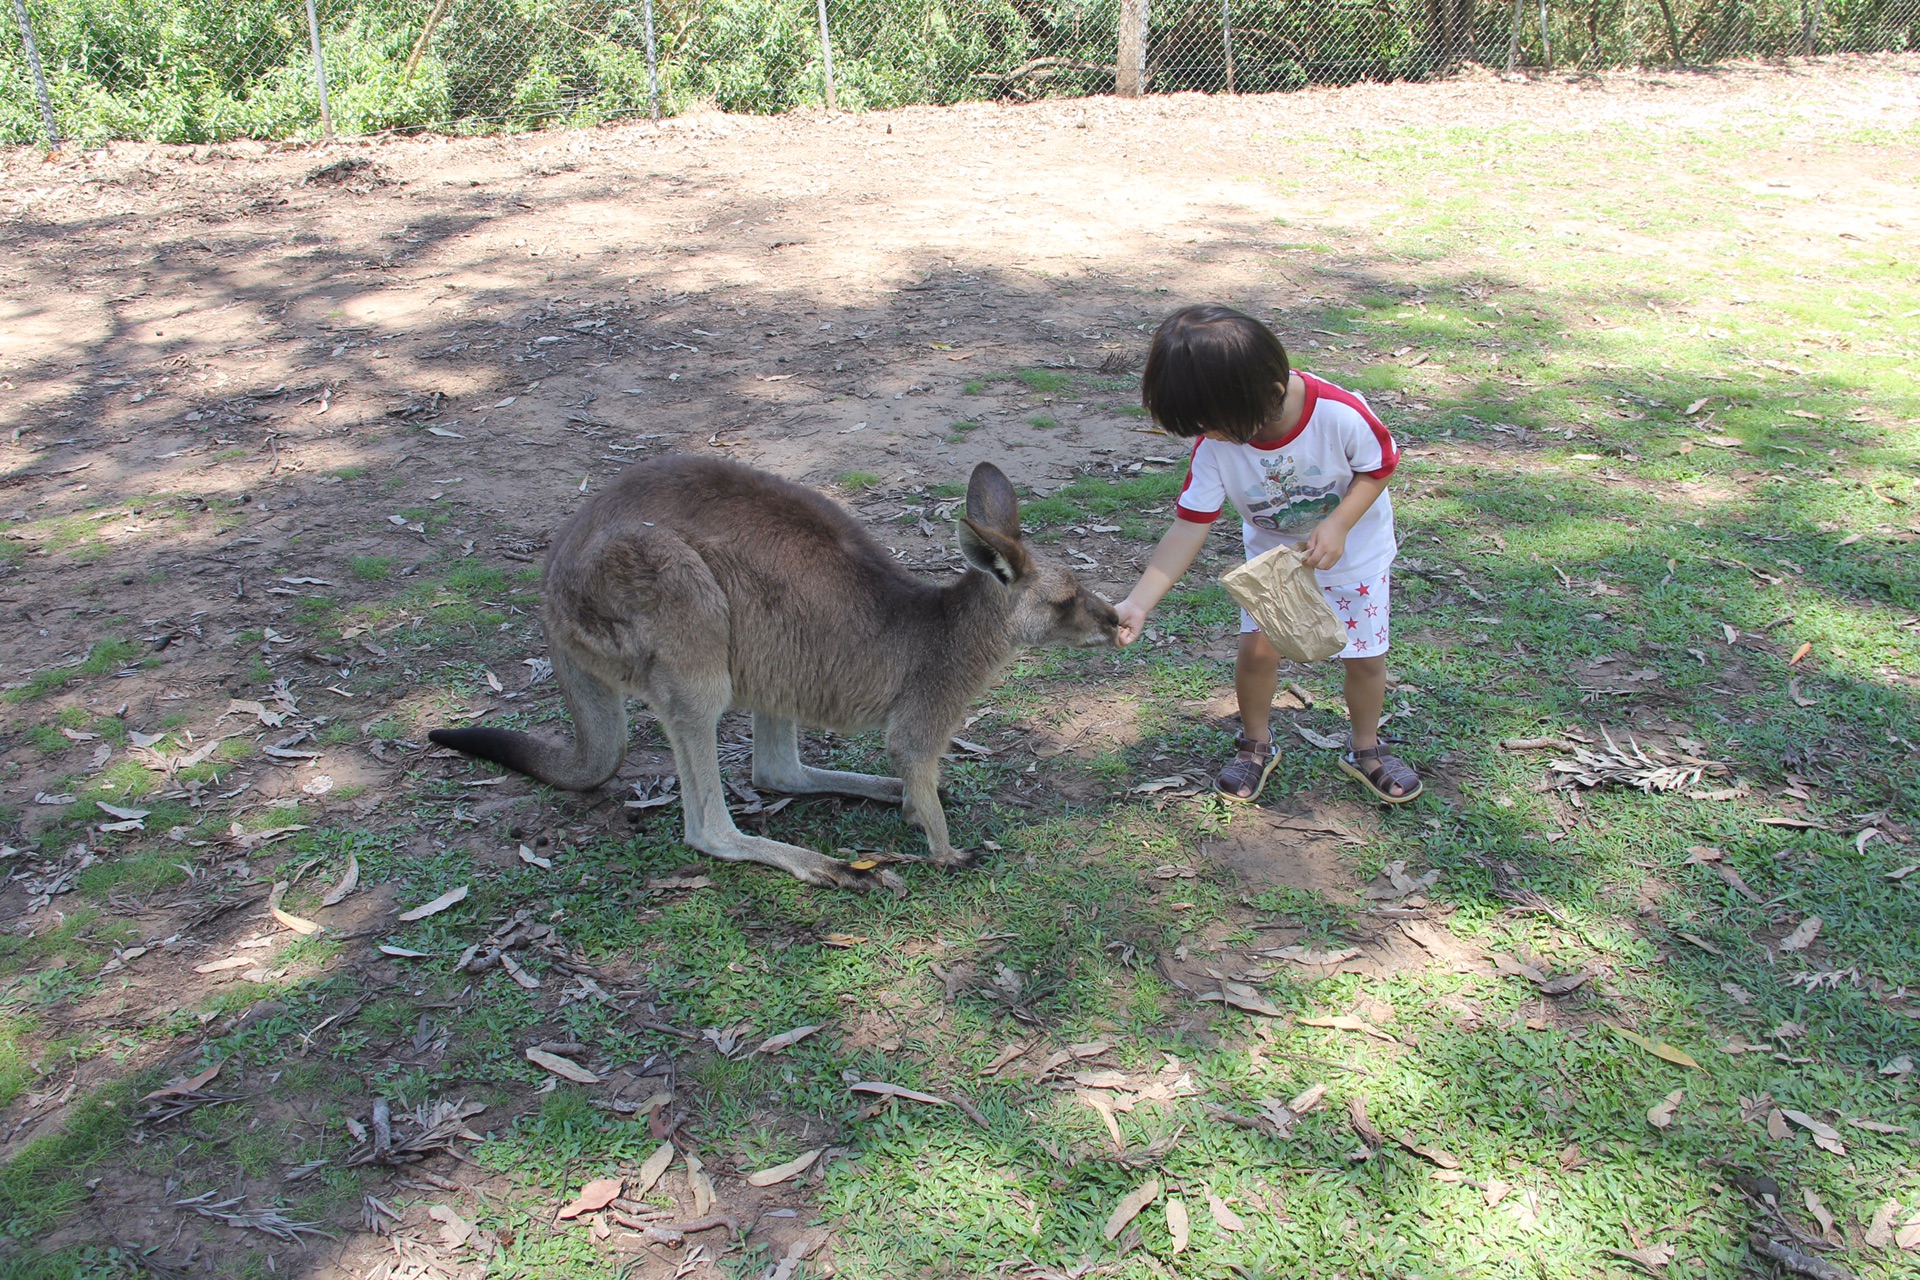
(1282,490)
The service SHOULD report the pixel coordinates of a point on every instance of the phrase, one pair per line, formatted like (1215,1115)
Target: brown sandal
(1377,769)
(1248,771)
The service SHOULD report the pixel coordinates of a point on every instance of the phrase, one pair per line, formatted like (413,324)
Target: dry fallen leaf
(651,1171)
(1806,647)
(1179,1225)
(560,1066)
(1880,1231)
(597,1194)
(1900,1066)
(454,1229)
(787,1039)
(289,920)
(1339,1022)
(1496,1191)
(1661,1049)
(1130,1206)
(1445,1159)
(1362,1126)
(1652,1256)
(781,1172)
(1825,1136)
(1223,1217)
(192,1084)
(1726,871)
(1661,1114)
(1105,1110)
(701,1183)
(404,953)
(886,1090)
(1909,1235)
(1242,996)
(1802,936)
(348,883)
(231,962)
(1819,1211)
(515,970)
(1777,1126)
(436,906)
(1875,1126)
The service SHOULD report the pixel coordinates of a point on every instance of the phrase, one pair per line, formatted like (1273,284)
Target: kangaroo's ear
(990,501)
(991,551)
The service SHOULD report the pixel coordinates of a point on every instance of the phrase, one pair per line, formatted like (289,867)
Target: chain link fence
(206,70)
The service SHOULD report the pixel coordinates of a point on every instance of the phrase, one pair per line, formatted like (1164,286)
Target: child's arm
(1172,558)
(1328,541)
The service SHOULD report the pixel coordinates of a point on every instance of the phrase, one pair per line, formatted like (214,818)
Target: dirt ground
(427,351)
(811,293)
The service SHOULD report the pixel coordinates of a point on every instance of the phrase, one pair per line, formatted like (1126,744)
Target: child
(1306,464)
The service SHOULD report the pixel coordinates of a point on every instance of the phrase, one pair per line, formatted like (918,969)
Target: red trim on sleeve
(1389,451)
(1181,510)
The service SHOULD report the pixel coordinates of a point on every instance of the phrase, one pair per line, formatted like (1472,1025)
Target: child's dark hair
(1212,368)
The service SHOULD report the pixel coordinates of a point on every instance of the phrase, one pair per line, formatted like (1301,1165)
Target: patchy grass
(372,568)
(858,481)
(1045,381)
(1669,499)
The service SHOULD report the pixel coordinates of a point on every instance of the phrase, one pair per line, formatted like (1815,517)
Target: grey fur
(700,585)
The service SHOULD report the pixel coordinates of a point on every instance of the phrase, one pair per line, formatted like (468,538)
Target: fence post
(826,54)
(1513,41)
(39,75)
(653,67)
(1130,75)
(1546,41)
(1809,27)
(1226,37)
(319,69)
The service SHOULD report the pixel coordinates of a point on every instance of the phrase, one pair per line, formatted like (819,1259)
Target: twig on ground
(1792,1259)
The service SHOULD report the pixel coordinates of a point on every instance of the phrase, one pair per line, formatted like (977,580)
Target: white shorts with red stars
(1363,608)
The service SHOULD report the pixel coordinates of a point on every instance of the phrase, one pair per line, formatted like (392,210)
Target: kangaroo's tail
(600,725)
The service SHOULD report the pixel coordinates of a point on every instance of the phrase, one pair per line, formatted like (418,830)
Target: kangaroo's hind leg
(777,767)
(689,718)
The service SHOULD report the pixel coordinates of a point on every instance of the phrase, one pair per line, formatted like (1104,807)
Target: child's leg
(1365,608)
(1256,676)
(1366,698)
(1256,673)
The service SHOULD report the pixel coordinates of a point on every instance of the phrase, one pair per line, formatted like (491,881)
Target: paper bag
(1286,601)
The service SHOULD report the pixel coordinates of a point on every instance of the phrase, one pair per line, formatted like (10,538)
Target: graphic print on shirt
(1291,505)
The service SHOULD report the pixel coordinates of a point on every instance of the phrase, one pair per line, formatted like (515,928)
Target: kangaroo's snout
(1103,623)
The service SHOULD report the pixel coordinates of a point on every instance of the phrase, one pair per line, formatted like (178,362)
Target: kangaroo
(699,585)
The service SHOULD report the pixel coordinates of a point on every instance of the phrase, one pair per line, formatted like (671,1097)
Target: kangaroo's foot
(777,767)
(806,780)
(805,864)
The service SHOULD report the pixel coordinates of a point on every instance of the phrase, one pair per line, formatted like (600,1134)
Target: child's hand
(1325,545)
(1132,620)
